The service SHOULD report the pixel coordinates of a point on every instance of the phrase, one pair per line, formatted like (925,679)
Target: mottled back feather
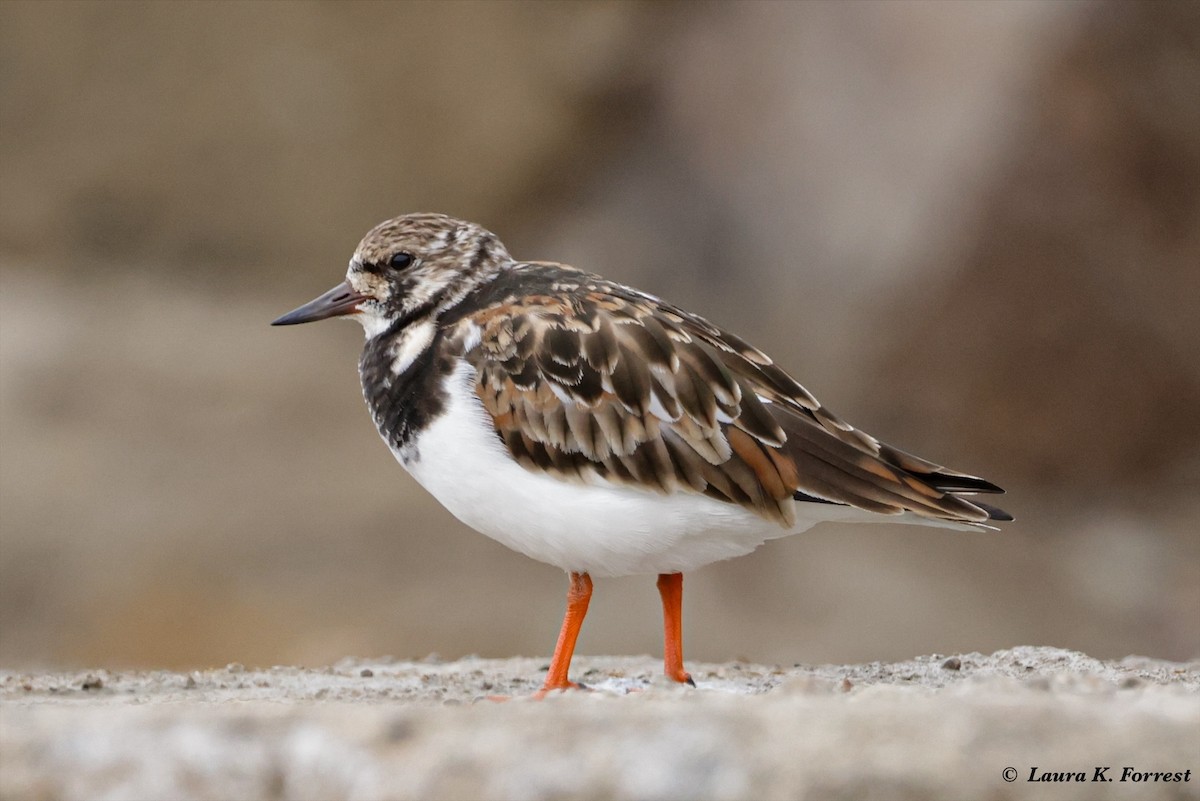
(590,380)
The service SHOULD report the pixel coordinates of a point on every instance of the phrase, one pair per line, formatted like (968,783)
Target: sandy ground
(936,727)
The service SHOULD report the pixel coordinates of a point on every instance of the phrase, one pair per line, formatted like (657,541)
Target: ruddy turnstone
(599,429)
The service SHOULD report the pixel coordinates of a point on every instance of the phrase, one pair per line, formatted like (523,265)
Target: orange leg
(578,597)
(670,587)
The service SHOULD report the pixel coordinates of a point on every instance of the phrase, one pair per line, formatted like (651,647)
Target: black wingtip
(797,495)
(956,483)
(994,513)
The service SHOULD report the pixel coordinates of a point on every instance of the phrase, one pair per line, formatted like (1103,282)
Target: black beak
(339,301)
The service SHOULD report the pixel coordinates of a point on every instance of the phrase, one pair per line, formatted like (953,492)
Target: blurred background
(972,229)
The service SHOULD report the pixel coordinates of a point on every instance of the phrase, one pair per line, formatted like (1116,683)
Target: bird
(600,429)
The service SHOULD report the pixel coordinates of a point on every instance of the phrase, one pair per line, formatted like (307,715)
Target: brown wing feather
(599,380)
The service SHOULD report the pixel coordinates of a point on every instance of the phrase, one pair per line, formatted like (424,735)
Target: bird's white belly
(605,529)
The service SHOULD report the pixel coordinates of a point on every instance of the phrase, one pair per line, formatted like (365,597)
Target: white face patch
(373,324)
(368,316)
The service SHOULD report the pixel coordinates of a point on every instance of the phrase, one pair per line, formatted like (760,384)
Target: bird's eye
(400,261)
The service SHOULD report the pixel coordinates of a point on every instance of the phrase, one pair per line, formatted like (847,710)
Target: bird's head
(406,269)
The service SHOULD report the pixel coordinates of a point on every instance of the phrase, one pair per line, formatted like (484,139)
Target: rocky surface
(936,727)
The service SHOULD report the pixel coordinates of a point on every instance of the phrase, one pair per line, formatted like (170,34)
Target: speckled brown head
(408,268)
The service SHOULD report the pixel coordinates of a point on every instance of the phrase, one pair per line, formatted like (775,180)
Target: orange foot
(559,687)
(578,596)
(681,676)
(670,587)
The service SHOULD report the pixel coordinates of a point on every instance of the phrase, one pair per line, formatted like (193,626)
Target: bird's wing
(604,381)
